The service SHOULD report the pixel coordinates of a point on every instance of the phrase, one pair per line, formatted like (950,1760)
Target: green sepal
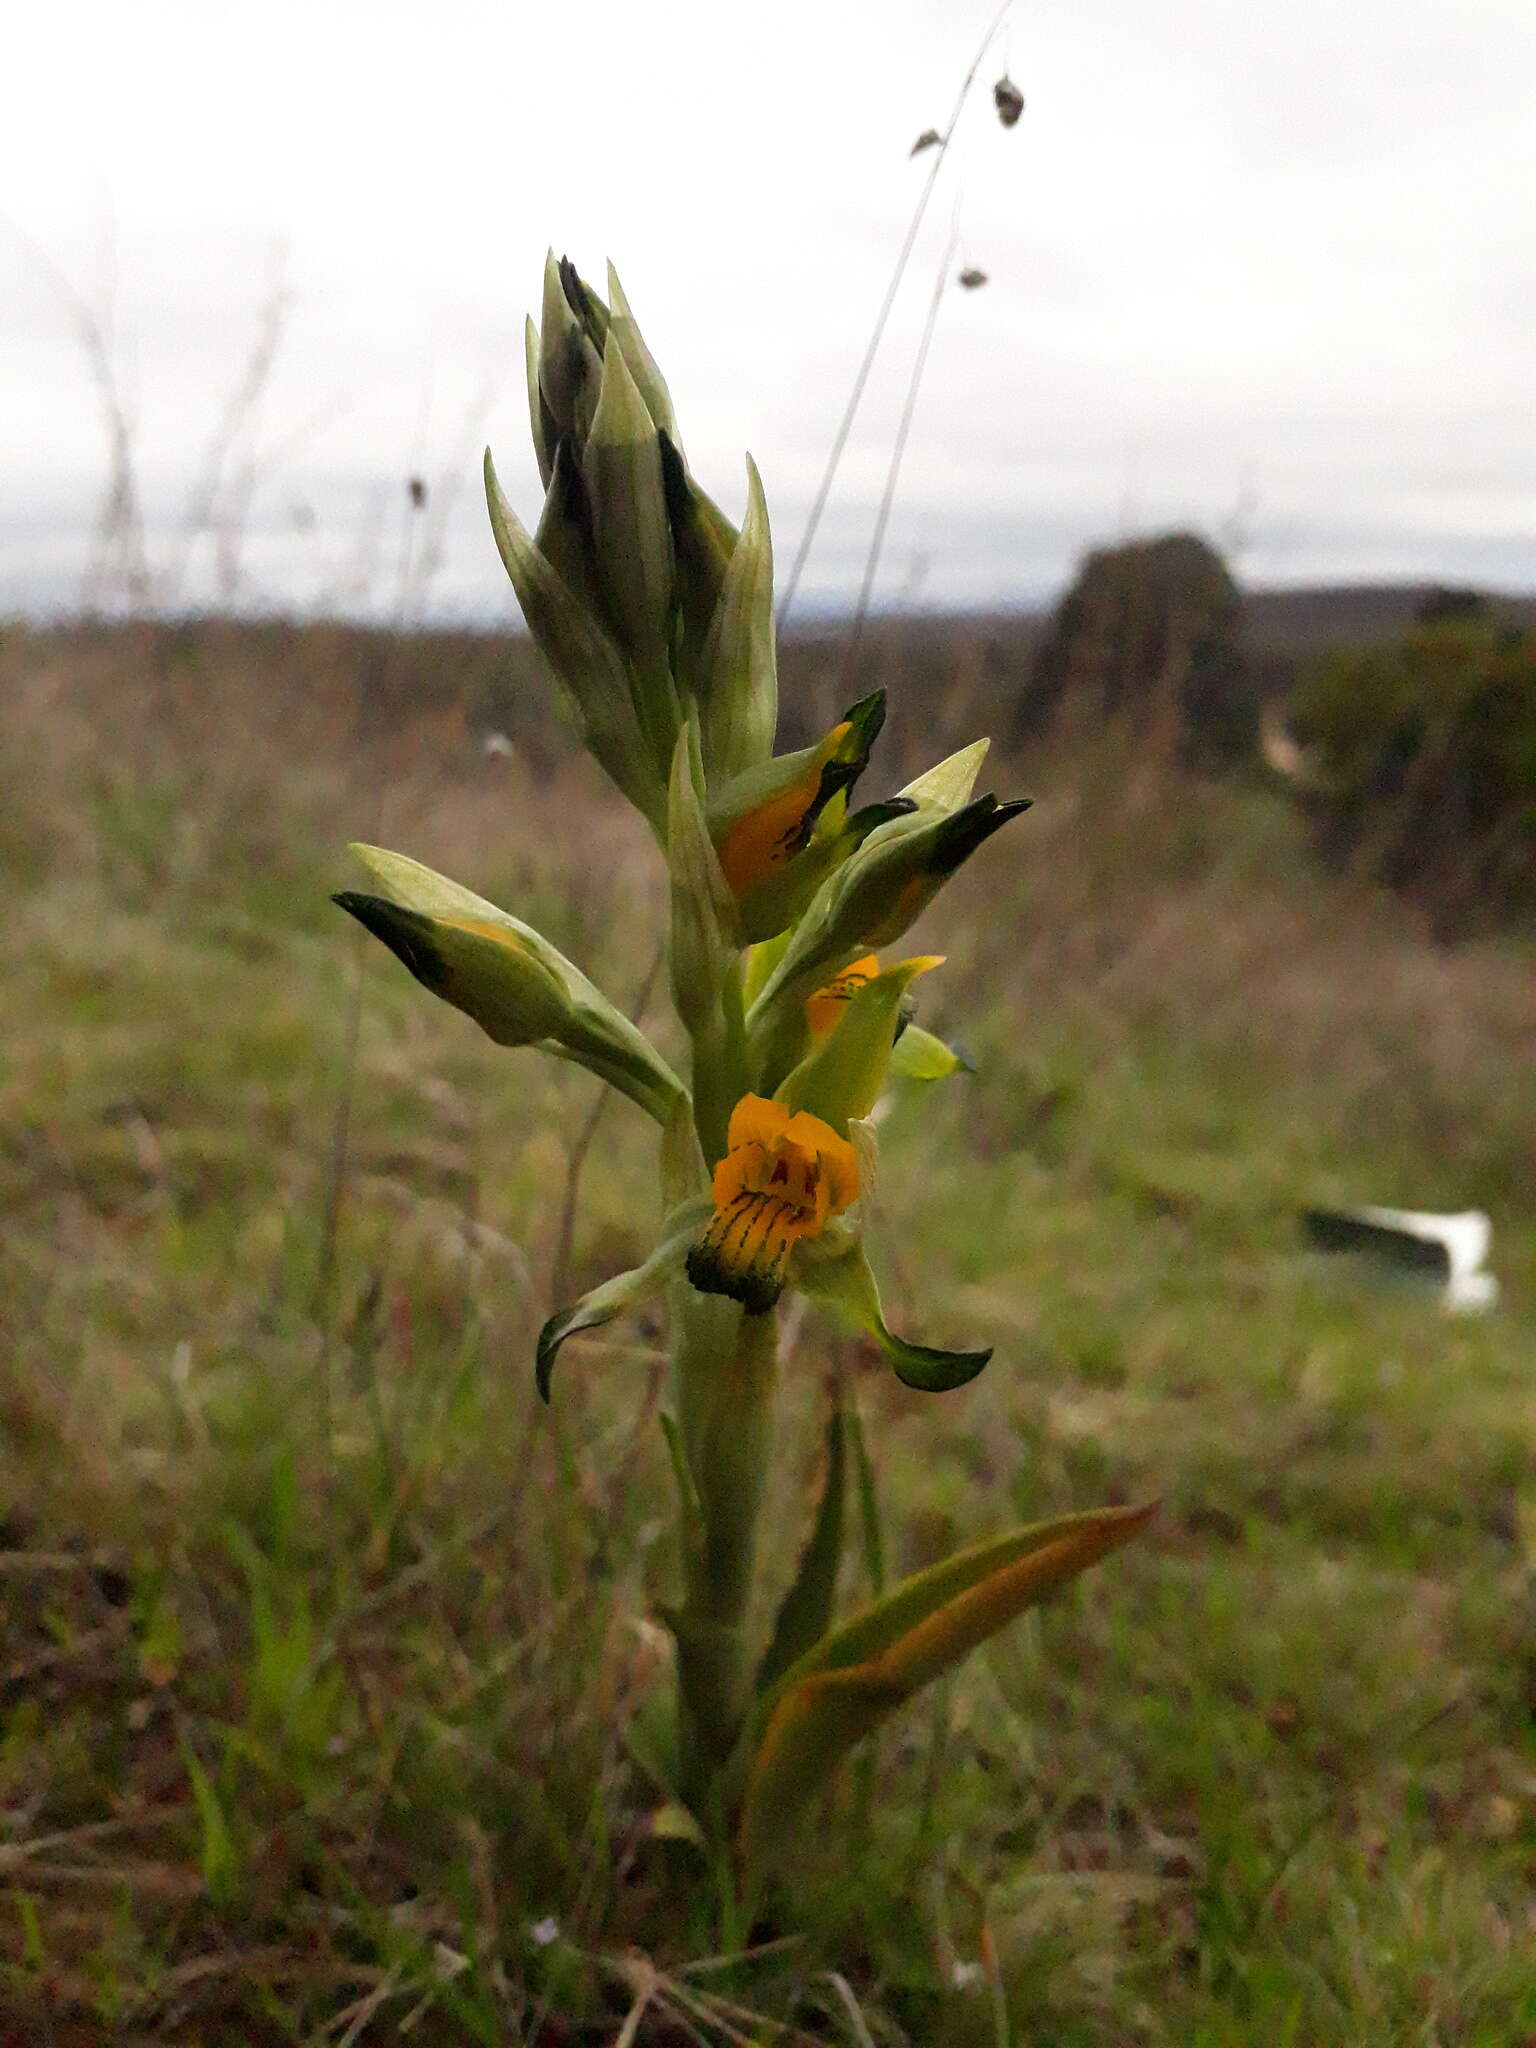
(541,420)
(703,541)
(948,784)
(760,963)
(781,827)
(583,658)
(806,1612)
(642,364)
(737,681)
(841,1078)
(832,764)
(565,535)
(623,1291)
(918,1056)
(841,1276)
(860,1673)
(621,467)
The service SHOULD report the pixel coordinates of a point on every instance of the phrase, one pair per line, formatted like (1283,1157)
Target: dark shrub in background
(1150,631)
(1422,760)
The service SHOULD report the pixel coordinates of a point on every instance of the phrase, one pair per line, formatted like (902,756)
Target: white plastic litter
(1448,1251)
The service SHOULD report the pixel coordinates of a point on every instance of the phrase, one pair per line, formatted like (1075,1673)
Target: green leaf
(806,1613)
(220,1863)
(843,1277)
(919,1056)
(859,1674)
(623,1291)
(871,1527)
(737,682)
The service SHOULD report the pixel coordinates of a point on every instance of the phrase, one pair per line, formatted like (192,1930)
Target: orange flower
(776,829)
(782,1178)
(823,1009)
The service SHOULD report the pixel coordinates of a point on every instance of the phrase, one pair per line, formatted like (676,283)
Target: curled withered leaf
(929,139)
(1008,100)
(971,278)
(416,491)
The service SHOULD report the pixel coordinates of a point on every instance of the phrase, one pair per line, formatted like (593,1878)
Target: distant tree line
(1414,756)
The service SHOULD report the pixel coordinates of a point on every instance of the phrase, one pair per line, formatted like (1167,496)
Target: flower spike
(654,615)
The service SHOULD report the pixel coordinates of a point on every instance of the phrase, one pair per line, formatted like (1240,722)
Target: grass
(322,1640)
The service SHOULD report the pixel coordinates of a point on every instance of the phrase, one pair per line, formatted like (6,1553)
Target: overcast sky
(1264,270)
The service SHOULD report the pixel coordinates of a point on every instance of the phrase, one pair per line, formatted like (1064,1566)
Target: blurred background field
(320,1638)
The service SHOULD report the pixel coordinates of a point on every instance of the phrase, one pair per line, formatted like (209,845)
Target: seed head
(1008,100)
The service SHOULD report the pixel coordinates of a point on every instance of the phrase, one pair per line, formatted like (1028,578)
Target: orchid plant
(654,616)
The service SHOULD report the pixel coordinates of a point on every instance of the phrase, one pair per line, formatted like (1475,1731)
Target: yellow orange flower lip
(823,1009)
(784,1175)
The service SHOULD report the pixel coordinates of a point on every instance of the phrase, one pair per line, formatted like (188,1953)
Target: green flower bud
(879,892)
(570,353)
(582,655)
(488,973)
(515,985)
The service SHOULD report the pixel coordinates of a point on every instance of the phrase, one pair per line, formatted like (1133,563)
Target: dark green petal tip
(960,835)
(866,717)
(584,303)
(931,1371)
(407,933)
(865,821)
(864,721)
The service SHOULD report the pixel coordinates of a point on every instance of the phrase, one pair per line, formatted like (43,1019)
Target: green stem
(726,1372)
